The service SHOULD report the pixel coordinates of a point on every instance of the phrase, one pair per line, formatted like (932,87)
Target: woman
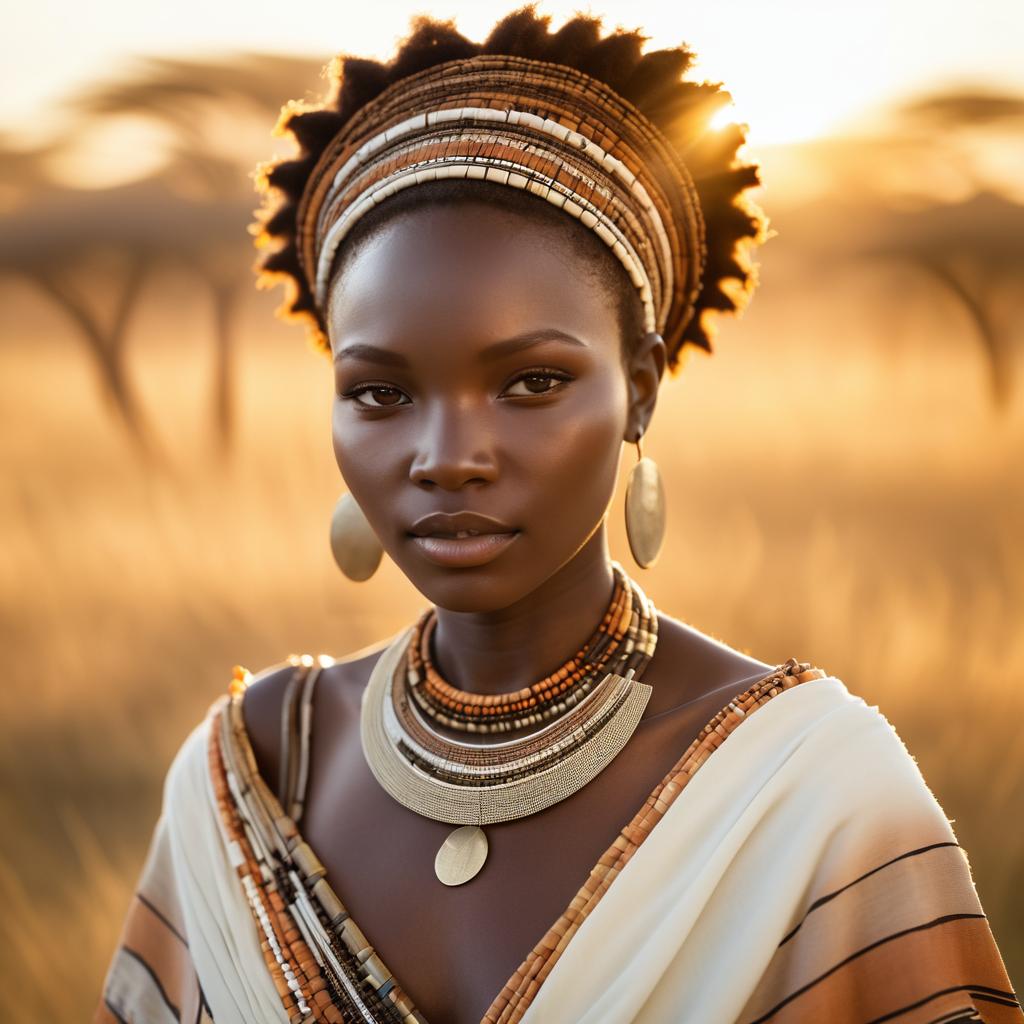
(545,800)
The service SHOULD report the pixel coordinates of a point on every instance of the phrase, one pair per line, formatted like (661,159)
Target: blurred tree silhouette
(192,212)
(935,189)
(216,117)
(974,250)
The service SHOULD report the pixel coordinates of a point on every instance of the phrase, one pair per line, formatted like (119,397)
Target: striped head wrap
(534,125)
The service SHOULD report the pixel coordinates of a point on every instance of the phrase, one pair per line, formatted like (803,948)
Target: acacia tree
(192,212)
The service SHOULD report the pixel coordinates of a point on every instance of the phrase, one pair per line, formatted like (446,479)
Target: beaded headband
(547,128)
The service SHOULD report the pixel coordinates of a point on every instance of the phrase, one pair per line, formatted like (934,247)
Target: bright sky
(795,68)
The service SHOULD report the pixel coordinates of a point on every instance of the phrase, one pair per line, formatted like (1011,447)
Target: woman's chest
(453,948)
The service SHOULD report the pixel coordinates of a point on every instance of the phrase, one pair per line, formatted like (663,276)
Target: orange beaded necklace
(552,695)
(587,709)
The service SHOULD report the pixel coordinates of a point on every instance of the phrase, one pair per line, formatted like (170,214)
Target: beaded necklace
(554,694)
(476,783)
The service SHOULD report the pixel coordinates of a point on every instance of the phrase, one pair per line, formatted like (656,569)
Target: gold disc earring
(645,509)
(355,546)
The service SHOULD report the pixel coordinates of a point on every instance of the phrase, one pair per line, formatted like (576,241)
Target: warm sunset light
(788,119)
(839,477)
(795,68)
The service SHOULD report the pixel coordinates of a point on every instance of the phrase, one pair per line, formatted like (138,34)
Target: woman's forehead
(469,270)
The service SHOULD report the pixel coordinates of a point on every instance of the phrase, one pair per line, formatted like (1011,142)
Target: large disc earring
(645,509)
(354,545)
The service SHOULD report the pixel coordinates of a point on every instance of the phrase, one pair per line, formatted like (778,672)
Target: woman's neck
(506,650)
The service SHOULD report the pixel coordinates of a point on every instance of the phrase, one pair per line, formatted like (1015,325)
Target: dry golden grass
(836,494)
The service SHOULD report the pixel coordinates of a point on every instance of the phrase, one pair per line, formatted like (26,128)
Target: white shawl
(811,815)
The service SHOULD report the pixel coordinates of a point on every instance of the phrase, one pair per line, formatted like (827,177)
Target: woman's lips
(464,552)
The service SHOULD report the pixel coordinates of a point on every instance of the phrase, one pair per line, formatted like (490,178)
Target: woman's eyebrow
(525,340)
(371,354)
(518,342)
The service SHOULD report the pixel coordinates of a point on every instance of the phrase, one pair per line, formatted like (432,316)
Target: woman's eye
(537,383)
(384,397)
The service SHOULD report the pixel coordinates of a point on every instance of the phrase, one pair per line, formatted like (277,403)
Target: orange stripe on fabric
(900,972)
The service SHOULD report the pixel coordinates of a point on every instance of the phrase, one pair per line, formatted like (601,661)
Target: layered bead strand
(624,639)
(477,782)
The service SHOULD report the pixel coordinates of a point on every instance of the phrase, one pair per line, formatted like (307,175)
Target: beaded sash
(322,964)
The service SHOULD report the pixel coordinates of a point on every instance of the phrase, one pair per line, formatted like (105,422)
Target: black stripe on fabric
(114,1010)
(867,874)
(951,1014)
(956,1016)
(203,1004)
(1004,998)
(159,913)
(974,990)
(860,952)
(156,981)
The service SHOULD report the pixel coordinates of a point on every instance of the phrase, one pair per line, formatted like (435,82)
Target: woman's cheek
(583,464)
(340,438)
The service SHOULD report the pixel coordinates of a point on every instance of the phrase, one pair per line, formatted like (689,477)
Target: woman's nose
(455,448)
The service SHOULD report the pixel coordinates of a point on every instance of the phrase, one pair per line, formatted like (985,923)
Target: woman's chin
(491,585)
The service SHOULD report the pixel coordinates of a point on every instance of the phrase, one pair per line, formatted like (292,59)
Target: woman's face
(477,369)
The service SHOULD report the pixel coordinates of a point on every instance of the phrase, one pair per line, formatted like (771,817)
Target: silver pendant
(461,855)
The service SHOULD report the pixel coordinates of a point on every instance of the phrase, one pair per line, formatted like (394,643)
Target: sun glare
(770,122)
(113,152)
(727,115)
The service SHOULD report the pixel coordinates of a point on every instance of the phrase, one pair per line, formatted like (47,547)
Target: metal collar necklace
(472,784)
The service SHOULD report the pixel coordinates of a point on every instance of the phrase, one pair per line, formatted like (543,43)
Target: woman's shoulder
(263,694)
(862,764)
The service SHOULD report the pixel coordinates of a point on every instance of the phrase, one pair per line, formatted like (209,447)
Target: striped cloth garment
(803,871)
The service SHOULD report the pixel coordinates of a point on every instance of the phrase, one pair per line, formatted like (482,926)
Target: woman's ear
(646,367)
